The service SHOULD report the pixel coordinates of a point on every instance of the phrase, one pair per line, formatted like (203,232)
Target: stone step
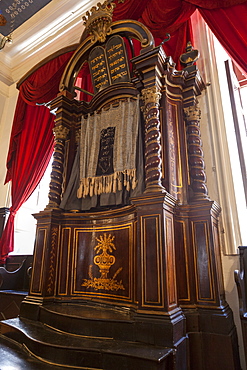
(85,352)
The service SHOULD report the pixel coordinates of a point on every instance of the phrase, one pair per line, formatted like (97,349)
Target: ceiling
(55,25)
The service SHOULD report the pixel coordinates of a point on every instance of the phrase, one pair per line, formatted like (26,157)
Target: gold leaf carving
(104,261)
(60,132)
(151,95)
(52,260)
(98,20)
(192,113)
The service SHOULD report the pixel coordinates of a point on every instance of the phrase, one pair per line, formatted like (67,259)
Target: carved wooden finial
(190,57)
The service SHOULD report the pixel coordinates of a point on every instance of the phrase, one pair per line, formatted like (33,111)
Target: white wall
(8,98)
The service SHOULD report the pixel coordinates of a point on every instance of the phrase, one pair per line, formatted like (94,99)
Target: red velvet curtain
(226,18)
(31,143)
(230,27)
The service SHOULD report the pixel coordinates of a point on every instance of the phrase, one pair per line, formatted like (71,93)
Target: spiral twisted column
(153,161)
(195,153)
(60,133)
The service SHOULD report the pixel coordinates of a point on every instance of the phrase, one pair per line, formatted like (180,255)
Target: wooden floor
(12,358)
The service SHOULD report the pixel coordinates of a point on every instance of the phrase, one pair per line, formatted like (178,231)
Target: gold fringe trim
(107,184)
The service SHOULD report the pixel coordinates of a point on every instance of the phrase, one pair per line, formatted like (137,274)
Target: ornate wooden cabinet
(144,273)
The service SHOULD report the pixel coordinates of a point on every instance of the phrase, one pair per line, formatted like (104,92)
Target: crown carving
(99,19)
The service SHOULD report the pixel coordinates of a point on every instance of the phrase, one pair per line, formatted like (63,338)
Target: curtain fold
(229,25)
(226,18)
(31,142)
(213,4)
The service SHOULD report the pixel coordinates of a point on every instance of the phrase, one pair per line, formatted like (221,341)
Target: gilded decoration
(60,132)
(192,113)
(51,278)
(99,19)
(104,261)
(151,95)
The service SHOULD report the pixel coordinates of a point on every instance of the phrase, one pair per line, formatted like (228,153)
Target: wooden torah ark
(154,259)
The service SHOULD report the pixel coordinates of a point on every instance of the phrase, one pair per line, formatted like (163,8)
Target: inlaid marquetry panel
(64,261)
(152,263)
(102,265)
(204,273)
(182,263)
(170,265)
(38,263)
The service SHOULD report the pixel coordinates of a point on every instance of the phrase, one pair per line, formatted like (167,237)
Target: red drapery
(31,142)
(230,27)
(226,18)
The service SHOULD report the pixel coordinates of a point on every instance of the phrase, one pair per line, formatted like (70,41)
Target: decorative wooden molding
(195,153)
(51,278)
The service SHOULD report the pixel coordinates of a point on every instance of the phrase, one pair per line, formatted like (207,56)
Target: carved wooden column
(158,312)
(149,70)
(151,96)
(195,153)
(209,319)
(60,133)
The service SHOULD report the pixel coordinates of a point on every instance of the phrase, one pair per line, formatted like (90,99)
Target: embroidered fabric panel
(105,159)
(107,164)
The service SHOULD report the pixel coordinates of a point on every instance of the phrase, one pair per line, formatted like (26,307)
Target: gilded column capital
(195,153)
(151,95)
(60,132)
(192,113)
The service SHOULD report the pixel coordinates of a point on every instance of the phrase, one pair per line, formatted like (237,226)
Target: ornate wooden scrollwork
(60,133)
(195,153)
(153,162)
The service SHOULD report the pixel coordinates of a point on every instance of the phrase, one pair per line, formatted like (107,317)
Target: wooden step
(89,321)
(85,352)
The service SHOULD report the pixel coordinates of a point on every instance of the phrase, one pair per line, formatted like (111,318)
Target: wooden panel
(151,257)
(151,261)
(64,259)
(203,262)
(37,277)
(171,279)
(218,263)
(103,262)
(10,302)
(181,251)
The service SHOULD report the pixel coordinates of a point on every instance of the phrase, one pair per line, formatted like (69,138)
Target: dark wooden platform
(87,337)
